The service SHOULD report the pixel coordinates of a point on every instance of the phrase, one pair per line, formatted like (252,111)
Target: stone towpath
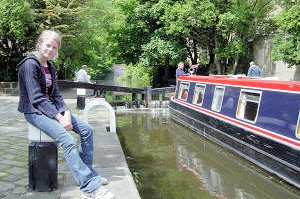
(108,157)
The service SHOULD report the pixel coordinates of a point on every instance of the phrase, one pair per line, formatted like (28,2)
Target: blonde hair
(180,64)
(53,34)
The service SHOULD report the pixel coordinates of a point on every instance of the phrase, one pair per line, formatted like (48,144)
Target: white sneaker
(104,181)
(101,193)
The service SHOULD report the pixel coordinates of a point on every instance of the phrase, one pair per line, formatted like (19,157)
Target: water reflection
(171,162)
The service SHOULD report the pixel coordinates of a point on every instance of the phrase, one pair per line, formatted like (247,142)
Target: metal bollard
(81,93)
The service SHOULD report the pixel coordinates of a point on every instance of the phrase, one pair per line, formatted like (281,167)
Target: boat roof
(244,81)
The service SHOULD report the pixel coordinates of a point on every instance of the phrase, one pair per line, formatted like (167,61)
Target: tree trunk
(218,66)
(166,73)
(195,58)
(235,65)
(211,47)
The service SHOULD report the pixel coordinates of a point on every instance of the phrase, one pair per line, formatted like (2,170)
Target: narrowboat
(256,118)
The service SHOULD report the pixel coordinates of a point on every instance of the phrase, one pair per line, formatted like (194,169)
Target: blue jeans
(79,159)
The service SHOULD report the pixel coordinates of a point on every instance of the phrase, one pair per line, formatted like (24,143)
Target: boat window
(248,105)
(183,90)
(199,94)
(298,127)
(218,98)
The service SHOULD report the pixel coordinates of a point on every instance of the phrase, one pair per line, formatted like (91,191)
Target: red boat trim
(291,86)
(257,130)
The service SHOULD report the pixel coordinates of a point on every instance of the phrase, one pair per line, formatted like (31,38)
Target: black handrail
(72,84)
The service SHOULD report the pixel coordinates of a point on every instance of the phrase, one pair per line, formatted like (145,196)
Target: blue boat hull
(276,158)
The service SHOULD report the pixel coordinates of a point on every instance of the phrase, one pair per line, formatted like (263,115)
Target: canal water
(169,161)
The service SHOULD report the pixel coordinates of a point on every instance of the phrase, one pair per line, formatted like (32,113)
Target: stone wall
(9,88)
(262,56)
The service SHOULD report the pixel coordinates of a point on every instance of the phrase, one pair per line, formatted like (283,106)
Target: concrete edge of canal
(109,159)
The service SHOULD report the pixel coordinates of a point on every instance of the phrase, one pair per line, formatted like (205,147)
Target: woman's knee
(88,131)
(89,128)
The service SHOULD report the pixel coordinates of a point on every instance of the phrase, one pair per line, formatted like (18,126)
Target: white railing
(101,102)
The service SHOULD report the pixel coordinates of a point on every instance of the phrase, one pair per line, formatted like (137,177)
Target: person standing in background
(254,70)
(82,75)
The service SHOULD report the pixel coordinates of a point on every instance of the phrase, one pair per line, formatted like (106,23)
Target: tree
(142,39)
(220,30)
(193,24)
(286,41)
(16,27)
(83,24)
(102,48)
(134,31)
(157,55)
(239,24)
(217,34)
(67,17)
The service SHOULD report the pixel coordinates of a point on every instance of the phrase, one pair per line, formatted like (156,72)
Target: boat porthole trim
(248,105)
(183,91)
(217,100)
(298,127)
(199,93)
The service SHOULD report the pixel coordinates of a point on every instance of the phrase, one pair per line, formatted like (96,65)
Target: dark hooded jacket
(32,89)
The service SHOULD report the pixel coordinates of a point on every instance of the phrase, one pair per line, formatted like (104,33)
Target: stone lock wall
(279,69)
(9,88)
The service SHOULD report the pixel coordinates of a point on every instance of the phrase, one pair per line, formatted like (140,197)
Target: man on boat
(180,71)
(254,70)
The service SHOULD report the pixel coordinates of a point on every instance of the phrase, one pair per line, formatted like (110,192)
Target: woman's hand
(65,120)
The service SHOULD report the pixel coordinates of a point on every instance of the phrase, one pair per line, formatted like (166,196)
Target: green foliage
(151,37)
(90,44)
(161,33)
(286,41)
(15,16)
(133,31)
(190,23)
(16,27)
(238,25)
(83,24)
(137,76)
(157,51)
(186,16)
(230,43)
(67,17)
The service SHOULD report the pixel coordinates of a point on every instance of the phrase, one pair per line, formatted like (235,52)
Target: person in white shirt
(82,75)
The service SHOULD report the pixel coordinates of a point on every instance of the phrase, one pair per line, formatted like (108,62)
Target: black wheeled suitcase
(42,166)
